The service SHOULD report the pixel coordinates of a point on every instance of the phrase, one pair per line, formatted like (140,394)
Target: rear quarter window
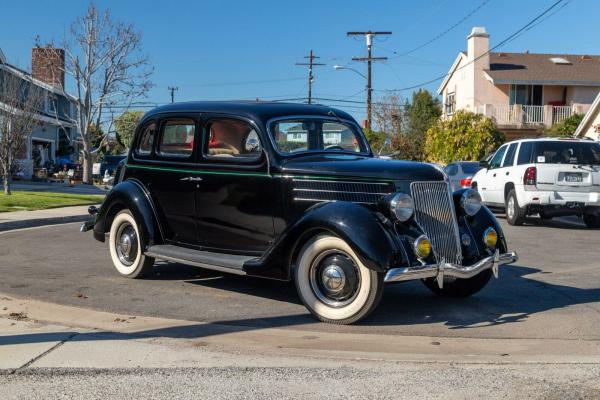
(525,153)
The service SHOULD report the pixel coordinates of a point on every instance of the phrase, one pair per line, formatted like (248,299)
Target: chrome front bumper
(439,271)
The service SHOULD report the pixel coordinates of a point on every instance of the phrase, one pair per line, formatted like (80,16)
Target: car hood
(361,167)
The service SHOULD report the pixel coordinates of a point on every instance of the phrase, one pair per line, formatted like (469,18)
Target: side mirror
(484,164)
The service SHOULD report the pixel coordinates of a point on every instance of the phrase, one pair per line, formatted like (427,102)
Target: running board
(222,262)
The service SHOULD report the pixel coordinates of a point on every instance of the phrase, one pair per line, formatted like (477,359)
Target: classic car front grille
(330,190)
(434,213)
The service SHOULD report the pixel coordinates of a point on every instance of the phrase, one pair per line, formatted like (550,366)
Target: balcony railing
(523,116)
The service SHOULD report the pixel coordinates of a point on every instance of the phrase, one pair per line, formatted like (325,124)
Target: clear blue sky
(247,49)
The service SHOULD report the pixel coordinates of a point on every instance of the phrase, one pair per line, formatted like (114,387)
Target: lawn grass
(25,201)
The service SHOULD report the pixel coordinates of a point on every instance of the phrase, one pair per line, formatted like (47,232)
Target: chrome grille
(434,213)
(330,190)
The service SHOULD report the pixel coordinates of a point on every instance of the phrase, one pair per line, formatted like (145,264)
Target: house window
(527,95)
(52,104)
(450,103)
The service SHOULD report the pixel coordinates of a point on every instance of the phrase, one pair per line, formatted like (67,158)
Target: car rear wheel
(126,247)
(515,215)
(591,221)
(333,283)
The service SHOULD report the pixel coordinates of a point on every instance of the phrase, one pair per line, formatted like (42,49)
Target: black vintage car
(293,192)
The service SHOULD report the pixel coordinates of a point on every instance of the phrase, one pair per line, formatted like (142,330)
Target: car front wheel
(126,247)
(333,283)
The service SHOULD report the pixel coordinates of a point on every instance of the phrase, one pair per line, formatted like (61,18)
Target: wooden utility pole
(369,59)
(311,57)
(172,89)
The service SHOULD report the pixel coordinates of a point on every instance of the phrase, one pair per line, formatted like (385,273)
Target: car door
(172,179)
(503,174)
(489,185)
(234,200)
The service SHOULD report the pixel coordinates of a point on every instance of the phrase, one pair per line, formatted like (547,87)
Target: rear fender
(370,239)
(130,195)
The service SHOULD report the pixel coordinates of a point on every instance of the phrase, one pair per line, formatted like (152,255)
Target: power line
(311,57)
(369,35)
(442,34)
(527,26)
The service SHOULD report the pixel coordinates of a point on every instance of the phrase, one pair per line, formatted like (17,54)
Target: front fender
(132,196)
(372,242)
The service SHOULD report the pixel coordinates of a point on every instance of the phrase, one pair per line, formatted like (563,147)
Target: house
(54,139)
(524,93)
(590,125)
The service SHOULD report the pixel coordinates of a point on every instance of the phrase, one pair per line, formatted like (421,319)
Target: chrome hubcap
(126,244)
(334,278)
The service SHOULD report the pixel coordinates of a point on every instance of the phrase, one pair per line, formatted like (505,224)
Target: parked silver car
(460,173)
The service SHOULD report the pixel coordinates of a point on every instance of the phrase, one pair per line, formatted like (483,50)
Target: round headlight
(402,206)
(470,202)
(490,237)
(422,247)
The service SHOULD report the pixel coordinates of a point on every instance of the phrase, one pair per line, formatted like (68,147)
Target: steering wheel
(334,147)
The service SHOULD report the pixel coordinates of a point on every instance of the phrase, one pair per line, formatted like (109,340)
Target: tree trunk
(87,168)
(6,183)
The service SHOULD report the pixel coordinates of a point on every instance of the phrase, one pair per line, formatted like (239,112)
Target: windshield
(312,134)
(567,152)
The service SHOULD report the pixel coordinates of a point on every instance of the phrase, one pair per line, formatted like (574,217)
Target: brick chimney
(48,65)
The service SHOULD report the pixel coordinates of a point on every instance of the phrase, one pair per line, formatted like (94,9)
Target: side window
(144,146)
(452,169)
(510,155)
(232,139)
(177,138)
(497,159)
(525,153)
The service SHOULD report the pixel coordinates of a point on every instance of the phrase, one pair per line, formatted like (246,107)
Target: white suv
(549,177)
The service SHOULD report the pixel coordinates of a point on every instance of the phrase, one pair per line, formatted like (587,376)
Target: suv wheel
(333,283)
(126,247)
(515,215)
(591,221)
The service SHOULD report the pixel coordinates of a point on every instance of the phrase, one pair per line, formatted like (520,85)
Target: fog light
(490,237)
(422,247)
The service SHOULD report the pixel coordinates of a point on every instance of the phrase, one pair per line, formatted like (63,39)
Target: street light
(339,67)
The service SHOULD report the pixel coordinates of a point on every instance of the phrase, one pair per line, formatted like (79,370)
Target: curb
(32,223)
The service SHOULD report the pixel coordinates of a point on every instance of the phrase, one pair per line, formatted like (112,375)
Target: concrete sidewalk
(95,355)
(28,219)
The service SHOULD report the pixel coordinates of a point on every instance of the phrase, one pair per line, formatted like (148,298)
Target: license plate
(573,177)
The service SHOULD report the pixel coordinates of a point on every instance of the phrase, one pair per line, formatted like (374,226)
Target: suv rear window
(567,152)
(470,167)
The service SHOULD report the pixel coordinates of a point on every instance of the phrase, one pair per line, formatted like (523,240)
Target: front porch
(519,116)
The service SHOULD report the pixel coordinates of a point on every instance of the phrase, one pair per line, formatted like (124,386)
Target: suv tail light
(465,183)
(530,176)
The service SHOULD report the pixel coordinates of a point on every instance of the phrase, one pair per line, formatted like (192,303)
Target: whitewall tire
(333,283)
(126,247)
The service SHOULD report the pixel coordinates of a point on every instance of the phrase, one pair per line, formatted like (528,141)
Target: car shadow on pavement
(266,288)
(509,300)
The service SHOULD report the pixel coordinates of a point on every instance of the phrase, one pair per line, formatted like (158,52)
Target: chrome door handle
(191,179)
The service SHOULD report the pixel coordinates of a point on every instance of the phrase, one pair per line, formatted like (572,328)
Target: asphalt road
(552,292)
